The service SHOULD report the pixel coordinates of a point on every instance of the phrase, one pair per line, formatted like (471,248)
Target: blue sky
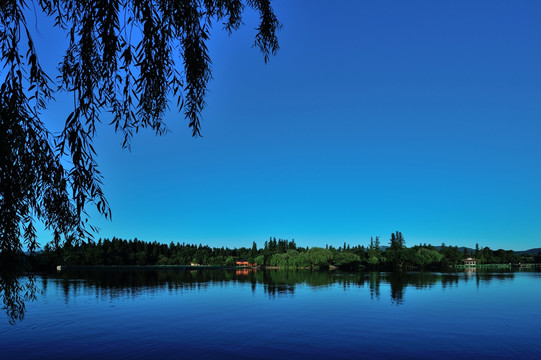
(375,116)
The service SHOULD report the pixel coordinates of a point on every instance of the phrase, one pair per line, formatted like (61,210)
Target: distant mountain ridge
(534,251)
(460,248)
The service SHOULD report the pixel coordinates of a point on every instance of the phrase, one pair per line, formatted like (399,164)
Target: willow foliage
(129,58)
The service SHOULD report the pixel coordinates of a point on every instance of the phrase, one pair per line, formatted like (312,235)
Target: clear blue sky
(375,116)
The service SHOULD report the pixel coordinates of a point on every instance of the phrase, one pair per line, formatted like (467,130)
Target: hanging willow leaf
(130,58)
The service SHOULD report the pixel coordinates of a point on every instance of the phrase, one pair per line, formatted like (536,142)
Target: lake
(215,314)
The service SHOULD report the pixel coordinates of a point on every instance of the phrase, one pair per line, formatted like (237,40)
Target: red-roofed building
(245,263)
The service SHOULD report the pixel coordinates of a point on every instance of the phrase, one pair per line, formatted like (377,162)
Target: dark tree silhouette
(395,252)
(125,57)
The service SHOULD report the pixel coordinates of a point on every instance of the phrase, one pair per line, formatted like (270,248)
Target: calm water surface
(274,314)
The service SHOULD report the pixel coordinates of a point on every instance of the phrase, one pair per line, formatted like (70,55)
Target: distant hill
(460,248)
(534,251)
(471,250)
(531,251)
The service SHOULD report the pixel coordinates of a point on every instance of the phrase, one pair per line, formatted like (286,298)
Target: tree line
(274,253)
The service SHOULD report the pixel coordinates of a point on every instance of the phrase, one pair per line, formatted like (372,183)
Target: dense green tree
(374,252)
(425,257)
(288,259)
(319,257)
(259,260)
(292,245)
(346,260)
(395,253)
(123,57)
(254,249)
(451,255)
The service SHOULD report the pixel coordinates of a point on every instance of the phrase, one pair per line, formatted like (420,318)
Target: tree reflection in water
(17,289)
(275,283)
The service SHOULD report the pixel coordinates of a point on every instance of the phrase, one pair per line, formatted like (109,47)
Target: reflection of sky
(374,117)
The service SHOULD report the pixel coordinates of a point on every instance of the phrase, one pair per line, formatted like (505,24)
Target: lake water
(272,315)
